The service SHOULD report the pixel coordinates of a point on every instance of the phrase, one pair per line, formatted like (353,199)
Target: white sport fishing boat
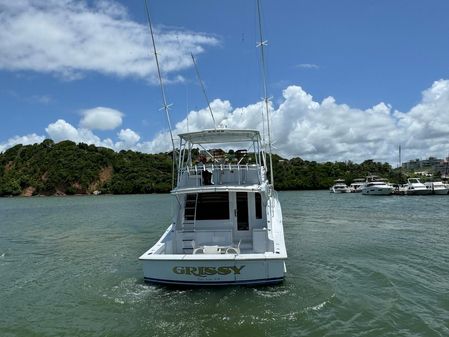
(227,228)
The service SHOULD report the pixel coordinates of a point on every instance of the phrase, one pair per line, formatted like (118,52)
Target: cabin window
(212,206)
(258,200)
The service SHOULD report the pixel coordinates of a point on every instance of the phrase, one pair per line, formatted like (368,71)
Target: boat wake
(320,306)
(272,292)
(130,291)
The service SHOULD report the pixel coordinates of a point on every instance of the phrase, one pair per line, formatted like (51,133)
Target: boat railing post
(196,174)
(238,173)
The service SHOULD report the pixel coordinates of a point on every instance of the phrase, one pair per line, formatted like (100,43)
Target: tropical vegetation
(62,168)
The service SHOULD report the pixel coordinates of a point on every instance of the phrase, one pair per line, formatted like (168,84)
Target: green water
(358,266)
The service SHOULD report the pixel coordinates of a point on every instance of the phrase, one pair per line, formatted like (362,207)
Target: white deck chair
(234,250)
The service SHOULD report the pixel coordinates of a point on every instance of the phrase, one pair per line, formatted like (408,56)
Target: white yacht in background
(227,227)
(356,185)
(339,187)
(437,187)
(376,186)
(416,187)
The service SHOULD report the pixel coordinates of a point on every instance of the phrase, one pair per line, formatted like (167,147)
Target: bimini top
(220,136)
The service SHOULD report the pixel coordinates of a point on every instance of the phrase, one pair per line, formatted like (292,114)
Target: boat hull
(418,192)
(378,191)
(440,191)
(190,271)
(333,190)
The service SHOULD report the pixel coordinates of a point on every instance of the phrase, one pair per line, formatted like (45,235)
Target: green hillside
(68,168)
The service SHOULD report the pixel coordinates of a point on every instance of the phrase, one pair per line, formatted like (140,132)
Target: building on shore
(431,165)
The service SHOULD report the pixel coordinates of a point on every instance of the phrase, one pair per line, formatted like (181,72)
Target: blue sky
(350,79)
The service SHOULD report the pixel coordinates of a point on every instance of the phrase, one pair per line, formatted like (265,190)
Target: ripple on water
(357,267)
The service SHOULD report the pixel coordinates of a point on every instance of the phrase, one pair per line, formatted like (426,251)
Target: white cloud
(128,136)
(426,126)
(68,38)
(308,66)
(301,126)
(61,130)
(329,131)
(24,140)
(101,119)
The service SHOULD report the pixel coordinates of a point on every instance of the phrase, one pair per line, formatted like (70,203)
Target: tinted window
(242,211)
(212,206)
(258,200)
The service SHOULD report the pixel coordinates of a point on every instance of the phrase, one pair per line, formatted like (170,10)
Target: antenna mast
(166,107)
(263,43)
(204,90)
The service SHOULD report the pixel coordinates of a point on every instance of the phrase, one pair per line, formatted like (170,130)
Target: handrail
(231,173)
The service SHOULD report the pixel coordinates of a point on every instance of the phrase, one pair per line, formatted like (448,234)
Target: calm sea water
(358,266)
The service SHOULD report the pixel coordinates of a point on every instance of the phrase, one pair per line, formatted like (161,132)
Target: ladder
(188,224)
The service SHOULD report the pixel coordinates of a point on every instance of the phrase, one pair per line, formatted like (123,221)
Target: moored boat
(376,186)
(339,187)
(437,187)
(416,187)
(356,185)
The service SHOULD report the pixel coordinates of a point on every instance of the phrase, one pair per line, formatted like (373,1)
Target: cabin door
(242,211)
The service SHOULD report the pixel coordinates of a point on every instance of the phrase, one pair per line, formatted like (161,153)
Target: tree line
(66,167)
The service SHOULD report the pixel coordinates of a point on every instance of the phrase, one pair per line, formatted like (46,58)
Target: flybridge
(213,167)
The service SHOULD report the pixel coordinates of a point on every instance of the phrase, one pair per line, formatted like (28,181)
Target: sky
(349,80)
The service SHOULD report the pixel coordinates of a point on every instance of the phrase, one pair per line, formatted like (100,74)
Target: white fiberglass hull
(377,191)
(191,270)
(340,190)
(442,191)
(424,191)
(231,266)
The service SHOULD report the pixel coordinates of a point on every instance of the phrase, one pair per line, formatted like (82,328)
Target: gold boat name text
(206,271)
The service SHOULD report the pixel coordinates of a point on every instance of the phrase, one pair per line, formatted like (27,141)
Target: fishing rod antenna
(166,107)
(203,89)
(263,43)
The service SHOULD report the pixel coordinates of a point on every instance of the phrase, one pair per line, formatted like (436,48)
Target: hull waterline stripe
(242,282)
